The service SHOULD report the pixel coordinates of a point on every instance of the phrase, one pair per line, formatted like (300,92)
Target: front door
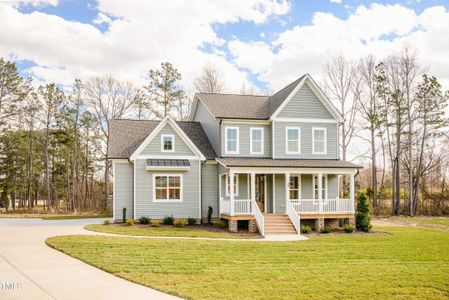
(261,182)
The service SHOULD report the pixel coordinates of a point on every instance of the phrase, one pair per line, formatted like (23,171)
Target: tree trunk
(374,170)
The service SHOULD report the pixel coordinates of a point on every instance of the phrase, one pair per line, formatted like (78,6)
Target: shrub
(348,229)
(124,214)
(144,220)
(106,222)
(168,220)
(362,215)
(306,229)
(191,221)
(326,229)
(130,222)
(180,223)
(219,224)
(209,215)
(155,223)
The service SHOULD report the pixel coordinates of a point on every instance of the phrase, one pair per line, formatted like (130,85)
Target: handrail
(294,217)
(258,216)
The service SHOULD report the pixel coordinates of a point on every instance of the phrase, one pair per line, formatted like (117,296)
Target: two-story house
(270,160)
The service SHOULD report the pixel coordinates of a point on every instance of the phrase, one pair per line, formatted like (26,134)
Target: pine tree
(362,217)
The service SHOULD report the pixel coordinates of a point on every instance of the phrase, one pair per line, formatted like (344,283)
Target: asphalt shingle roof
(281,163)
(125,136)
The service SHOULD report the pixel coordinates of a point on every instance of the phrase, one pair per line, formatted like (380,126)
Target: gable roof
(125,136)
(233,106)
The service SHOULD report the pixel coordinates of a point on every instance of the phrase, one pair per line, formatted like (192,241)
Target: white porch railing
(258,216)
(336,205)
(241,206)
(294,217)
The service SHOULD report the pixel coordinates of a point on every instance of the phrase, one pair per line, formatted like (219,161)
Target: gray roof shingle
(280,163)
(125,136)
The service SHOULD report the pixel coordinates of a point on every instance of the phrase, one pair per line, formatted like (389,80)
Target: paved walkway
(29,269)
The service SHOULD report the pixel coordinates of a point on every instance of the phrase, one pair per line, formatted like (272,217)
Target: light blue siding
(154,147)
(242,185)
(189,207)
(123,189)
(209,124)
(244,140)
(209,189)
(279,193)
(332,181)
(306,140)
(305,104)
(306,186)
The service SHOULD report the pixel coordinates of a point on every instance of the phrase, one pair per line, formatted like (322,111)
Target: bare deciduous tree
(210,80)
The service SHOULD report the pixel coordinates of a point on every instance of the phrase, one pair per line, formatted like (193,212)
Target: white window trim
(172,136)
(180,189)
(287,128)
(326,190)
(237,137)
(299,186)
(313,140)
(261,129)
(236,181)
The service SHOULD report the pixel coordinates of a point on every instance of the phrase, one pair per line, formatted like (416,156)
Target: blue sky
(246,48)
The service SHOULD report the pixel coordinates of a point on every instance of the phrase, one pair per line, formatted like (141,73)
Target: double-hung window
(293,140)
(167,188)
(167,143)
(294,187)
(232,140)
(319,140)
(228,185)
(256,145)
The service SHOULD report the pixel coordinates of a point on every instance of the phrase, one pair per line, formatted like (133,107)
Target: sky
(265,43)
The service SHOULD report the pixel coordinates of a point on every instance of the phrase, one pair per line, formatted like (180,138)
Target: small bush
(326,229)
(348,229)
(306,229)
(168,220)
(144,220)
(219,224)
(180,223)
(209,215)
(130,222)
(124,214)
(191,221)
(362,215)
(155,223)
(106,222)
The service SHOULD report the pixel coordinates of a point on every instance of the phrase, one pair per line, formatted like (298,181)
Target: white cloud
(336,1)
(378,29)
(140,36)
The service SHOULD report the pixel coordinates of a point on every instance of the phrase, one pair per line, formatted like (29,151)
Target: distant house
(270,160)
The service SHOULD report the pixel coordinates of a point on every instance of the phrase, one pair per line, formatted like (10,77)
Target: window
(292,140)
(294,188)
(167,143)
(319,143)
(232,140)
(228,183)
(167,188)
(323,187)
(256,145)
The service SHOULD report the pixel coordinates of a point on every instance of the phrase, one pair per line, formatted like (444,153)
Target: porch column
(231,191)
(219,194)
(287,189)
(320,192)
(253,188)
(351,192)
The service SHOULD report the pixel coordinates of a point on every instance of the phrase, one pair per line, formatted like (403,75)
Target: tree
(432,103)
(210,80)
(12,91)
(164,89)
(108,98)
(362,215)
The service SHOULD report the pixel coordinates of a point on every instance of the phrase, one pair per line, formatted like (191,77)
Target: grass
(159,231)
(47,216)
(68,217)
(407,263)
(443,221)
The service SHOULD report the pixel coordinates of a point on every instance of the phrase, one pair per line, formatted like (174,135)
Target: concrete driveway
(29,269)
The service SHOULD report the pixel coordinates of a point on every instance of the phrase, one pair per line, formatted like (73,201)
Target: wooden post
(320,192)
(287,189)
(253,187)
(231,191)
(351,191)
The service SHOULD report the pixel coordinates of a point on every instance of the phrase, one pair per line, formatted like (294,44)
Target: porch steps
(278,224)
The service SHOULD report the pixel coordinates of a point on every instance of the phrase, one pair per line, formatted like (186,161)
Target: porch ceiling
(288,163)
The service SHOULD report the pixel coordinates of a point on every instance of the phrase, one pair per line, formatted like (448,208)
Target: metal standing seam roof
(287,163)
(168,163)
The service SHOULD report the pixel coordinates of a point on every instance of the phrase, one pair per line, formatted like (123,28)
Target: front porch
(296,193)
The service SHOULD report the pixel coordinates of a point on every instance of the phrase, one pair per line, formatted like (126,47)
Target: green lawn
(159,231)
(68,217)
(407,263)
(444,221)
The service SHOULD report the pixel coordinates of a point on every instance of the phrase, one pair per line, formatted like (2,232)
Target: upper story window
(293,140)
(167,188)
(167,143)
(256,145)
(319,140)
(232,140)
